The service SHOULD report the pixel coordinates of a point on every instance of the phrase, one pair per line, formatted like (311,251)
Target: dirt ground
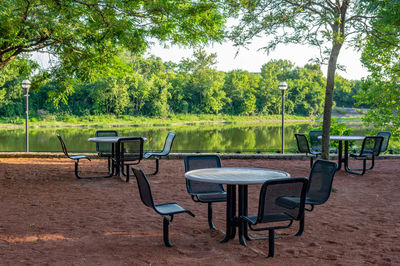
(48,217)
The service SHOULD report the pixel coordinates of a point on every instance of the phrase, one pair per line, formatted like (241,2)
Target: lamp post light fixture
(283,86)
(26,84)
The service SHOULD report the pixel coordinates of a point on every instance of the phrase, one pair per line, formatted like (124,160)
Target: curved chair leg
(301,227)
(372,163)
(157,166)
(126,177)
(311,161)
(271,242)
(210,219)
(85,177)
(358,173)
(165,231)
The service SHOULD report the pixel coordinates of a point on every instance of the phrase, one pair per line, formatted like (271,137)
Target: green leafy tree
(203,85)
(139,92)
(155,79)
(241,88)
(327,25)
(109,96)
(344,93)
(11,93)
(84,36)
(306,90)
(381,55)
(79,31)
(179,98)
(268,95)
(213,95)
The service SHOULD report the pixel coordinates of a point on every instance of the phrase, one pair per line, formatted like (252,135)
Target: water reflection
(190,138)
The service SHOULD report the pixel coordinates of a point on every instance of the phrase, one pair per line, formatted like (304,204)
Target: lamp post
(283,86)
(26,84)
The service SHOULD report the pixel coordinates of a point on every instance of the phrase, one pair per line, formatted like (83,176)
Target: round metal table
(231,177)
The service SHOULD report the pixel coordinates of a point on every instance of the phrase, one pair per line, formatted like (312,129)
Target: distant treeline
(151,87)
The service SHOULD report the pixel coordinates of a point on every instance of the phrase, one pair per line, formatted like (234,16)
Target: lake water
(232,138)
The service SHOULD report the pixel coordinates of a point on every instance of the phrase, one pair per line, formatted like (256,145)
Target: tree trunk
(330,84)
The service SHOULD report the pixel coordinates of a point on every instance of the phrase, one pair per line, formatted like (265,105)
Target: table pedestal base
(233,220)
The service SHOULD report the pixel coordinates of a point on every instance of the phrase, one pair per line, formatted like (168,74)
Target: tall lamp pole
(26,84)
(283,86)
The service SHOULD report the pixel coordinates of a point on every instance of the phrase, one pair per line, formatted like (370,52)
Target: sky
(251,59)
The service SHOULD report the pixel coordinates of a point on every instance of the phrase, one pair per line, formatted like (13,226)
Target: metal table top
(235,175)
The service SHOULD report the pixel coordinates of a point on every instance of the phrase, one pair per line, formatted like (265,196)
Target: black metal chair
(319,188)
(316,142)
(165,209)
(304,147)
(76,158)
(204,192)
(278,213)
(130,150)
(371,148)
(386,136)
(157,155)
(105,149)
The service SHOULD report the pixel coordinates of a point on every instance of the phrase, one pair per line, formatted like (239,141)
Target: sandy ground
(48,217)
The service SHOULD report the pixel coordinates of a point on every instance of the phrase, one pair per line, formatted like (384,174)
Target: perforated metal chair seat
(386,136)
(164,209)
(292,202)
(270,218)
(331,150)
(315,141)
(371,148)
(304,147)
(271,211)
(166,150)
(318,191)
(78,157)
(147,155)
(204,192)
(169,208)
(365,155)
(211,197)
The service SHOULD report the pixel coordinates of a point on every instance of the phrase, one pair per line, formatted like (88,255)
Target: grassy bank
(125,120)
(342,114)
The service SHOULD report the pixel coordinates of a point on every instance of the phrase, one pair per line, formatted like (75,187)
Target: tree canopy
(381,55)
(80,31)
(327,25)
(151,87)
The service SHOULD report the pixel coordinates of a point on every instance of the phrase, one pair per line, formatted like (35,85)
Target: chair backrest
(144,187)
(131,148)
(320,181)
(386,136)
(105,148)
(63,146)
(269,208)
(371,145)
(315,142)
(168,143)
(194,162)
(302,143)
